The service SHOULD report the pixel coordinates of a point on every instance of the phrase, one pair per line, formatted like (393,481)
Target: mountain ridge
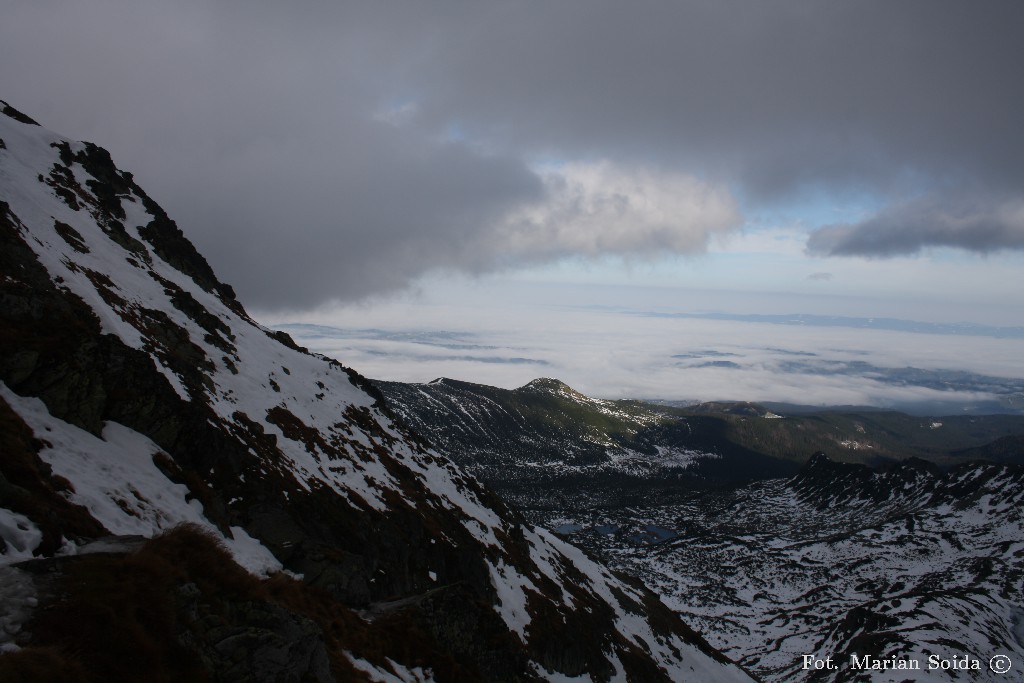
(142,397)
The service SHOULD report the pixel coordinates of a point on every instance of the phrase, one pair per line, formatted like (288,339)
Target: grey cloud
(349,218)
(264,127)
(260,137)
(776,94)
(823,277)
(966,222)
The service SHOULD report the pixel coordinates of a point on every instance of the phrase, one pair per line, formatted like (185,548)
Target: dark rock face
(121,329)
(255,641)
(8,110)
(825,483)
(453,616)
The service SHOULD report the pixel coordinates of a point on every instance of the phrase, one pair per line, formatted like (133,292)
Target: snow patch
(401,674)
(511,588)
(116,480)
(20,535)
(556,677)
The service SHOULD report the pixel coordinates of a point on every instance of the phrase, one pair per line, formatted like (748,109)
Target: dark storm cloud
(967,222)
(335,150)
(774,94)
(338,217)
(265,136)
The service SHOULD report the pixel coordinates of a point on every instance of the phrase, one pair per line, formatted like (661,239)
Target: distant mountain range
(545,441)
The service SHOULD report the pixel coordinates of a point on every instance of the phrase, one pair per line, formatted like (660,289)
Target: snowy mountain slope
(909,562)
(137,394)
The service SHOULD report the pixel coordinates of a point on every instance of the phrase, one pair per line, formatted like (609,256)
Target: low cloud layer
(973,223)
(341,150)
(691,358)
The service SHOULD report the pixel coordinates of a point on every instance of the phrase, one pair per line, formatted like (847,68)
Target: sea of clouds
(616,351)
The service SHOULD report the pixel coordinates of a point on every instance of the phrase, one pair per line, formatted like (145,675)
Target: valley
(771,558)
(909,563)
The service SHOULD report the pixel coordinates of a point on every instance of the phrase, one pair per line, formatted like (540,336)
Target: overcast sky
(320,152)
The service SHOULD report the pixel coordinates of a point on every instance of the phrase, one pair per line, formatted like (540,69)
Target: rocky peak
(546,384)
(8,110)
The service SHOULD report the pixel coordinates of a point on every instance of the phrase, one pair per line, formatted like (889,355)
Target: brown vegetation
(152,616)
